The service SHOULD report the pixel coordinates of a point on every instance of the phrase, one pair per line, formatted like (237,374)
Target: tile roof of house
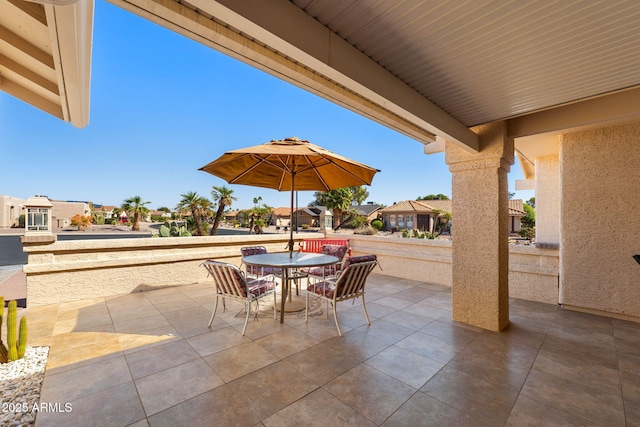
(445,206)
(281,211)
(516,207)
(425,206)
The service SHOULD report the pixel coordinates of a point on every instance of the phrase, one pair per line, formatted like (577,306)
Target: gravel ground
(20,384)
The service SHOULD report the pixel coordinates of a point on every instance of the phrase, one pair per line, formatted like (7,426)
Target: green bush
(377,224)
(357,221)
(527,232)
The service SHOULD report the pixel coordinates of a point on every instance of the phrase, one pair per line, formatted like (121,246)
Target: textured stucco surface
(548,200)
(600,223)
(480,291)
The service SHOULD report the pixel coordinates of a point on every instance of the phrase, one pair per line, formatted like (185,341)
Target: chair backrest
(228,278)
(337,251)
(354,275)
(253,250)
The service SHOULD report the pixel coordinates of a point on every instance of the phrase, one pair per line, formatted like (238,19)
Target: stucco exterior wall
(548,200)
(600,222)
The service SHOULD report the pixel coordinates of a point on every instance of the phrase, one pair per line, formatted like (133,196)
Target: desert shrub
(81,221)
(406,233)
(366,230)
(377,224)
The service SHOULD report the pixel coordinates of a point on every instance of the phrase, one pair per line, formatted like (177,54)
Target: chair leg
(213,313)
(246,320)
(335,316)
(364,307)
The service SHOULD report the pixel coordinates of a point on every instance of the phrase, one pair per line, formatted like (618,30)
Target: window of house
(401,221)
(410,222)
(392,220)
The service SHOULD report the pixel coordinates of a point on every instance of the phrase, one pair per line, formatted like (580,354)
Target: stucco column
(480,288)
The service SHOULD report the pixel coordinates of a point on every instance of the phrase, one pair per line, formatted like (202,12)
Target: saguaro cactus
(15,348)
(3,350)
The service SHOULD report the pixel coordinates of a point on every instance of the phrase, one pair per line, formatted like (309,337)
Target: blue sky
(163,105)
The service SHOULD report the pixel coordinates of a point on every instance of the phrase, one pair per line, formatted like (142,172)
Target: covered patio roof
(430,70)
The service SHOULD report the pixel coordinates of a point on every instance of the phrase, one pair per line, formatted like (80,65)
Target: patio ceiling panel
(493,60)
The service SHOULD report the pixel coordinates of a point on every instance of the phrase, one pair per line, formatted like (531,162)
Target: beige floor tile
(473,396)
(311,410)
(216,407)
(240,360)
(529,413)
(212,342)
(173,386)
(271,389)
(424,410)
(286,342)
(575,399)
(83,381)
(372,393)
(159,358)
(80,346)
(141,325)
(322,363)
(117,406)
(411,368)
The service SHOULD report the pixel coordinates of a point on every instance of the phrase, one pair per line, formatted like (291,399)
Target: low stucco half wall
(533,272)
(64,271)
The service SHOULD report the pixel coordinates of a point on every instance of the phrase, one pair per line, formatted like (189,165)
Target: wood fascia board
(71,32)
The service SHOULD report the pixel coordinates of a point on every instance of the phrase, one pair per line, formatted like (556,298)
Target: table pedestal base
(291,305)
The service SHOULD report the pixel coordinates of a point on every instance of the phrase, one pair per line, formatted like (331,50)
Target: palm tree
(197,206)
(136,206)
(223,196)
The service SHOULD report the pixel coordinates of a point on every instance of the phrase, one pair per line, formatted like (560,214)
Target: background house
(10,210)
(421,214)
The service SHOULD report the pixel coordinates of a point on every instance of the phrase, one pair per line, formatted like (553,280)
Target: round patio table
(287,263)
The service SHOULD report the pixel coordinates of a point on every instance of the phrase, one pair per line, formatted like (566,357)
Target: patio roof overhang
(428,70)
(45,56)
(434,70)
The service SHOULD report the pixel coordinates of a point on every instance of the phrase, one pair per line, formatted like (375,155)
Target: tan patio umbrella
(292,165)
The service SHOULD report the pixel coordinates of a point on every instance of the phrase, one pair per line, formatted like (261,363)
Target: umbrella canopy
(292,165)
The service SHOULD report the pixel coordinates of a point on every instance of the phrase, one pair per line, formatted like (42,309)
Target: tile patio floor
(149,359)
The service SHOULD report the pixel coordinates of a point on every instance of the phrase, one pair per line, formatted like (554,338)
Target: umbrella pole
(293,174)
